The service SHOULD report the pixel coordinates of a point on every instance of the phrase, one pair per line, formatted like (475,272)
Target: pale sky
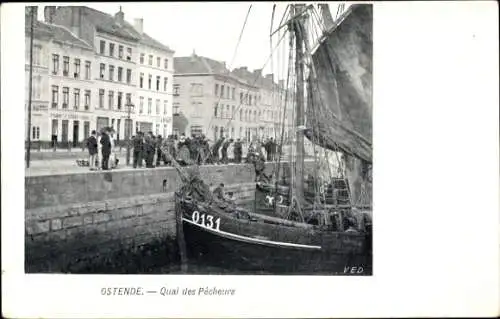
(211,29)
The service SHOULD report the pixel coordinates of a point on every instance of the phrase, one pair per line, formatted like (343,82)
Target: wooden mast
(297,27)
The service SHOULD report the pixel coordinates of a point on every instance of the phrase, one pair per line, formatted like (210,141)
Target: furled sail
(339,112)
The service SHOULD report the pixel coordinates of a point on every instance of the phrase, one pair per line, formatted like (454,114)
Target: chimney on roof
(270,77)
(49,12)
(281,84)
(120,16)
(244,68)
(139,25)
(27,12)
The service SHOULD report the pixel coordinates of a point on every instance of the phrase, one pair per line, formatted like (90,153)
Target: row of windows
(228,112)
(66,67)
(227,92)
(150,105)
(76,99)
(112,52)
(111,73)
(111,99)
(150,61)
(150,80)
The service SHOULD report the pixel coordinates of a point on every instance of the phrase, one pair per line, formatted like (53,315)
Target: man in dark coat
(238,151)
(267,147)
(149,148)
(92,147)
(224,151)
(106,149)
(138,143)
(159,154)
(272,149)
(194,146)
(203,150)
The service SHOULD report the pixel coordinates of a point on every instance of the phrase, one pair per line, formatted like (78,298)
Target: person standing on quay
(272,149)
(215,150)
(106,149)
(92,147)
(149,149)
(224,151)
(138,149)
(238,151)
(159,154)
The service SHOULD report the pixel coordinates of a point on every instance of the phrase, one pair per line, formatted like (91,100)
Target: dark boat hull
(258,247)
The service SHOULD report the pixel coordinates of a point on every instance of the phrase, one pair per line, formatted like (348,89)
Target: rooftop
(195,64)
(106,23)
(149,41)
(57,32)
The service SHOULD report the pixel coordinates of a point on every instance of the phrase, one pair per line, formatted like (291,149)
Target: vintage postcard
(212,153)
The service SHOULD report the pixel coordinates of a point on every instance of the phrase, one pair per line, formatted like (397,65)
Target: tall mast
(28,150)
(298,29)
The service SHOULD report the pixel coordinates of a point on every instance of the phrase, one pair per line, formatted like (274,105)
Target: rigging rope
(232,61)
(255,79)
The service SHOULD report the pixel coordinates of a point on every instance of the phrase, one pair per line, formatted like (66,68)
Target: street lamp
(130,107)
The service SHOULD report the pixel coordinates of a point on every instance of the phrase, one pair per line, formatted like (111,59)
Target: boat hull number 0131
(206,220)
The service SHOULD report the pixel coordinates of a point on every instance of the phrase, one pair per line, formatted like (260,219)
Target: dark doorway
(76,129)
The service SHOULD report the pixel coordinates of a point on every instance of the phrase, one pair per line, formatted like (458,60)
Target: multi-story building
(154,84)
(215,101)
(114,42)
(61,82)
(268,102)
(194,98)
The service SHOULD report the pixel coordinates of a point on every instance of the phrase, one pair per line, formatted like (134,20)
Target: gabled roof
(56,32)
(195,64)
(106,23)
(149,41)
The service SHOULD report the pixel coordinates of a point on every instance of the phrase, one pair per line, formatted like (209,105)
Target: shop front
(69,129)
(144,127)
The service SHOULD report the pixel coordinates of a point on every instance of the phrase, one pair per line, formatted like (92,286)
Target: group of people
(150,150)
(147,148)
(101,147)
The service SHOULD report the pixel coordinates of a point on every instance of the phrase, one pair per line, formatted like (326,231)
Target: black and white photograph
(250,159)
(142,160)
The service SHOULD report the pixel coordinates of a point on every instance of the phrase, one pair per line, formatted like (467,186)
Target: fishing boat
(301,234)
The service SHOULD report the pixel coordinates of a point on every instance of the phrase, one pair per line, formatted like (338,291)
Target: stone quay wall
(112,222)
